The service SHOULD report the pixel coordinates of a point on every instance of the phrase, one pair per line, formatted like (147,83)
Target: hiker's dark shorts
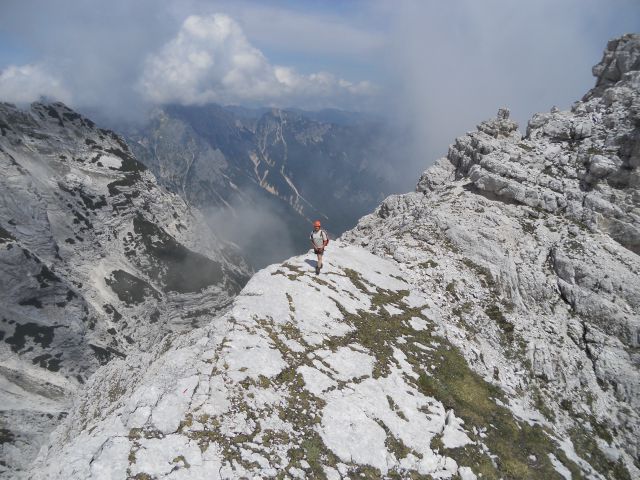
(318,251)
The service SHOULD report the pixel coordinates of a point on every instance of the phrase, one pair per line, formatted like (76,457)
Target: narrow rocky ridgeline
(96,262)
(351,373)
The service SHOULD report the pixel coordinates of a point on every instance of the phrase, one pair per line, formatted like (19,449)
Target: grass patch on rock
(494,313)
(587,447)
(514,443)
(451,381)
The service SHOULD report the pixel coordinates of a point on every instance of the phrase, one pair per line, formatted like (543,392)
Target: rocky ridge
(485,325)
(549,224)
(97,261)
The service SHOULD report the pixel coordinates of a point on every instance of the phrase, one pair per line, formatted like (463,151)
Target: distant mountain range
(287,167)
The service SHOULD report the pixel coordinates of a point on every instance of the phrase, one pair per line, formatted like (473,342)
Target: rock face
(96,262)
(232,159)
(536,239)
(484,326)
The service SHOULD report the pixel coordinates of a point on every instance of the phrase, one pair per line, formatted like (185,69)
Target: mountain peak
(621,56)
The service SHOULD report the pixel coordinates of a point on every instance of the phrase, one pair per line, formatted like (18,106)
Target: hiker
(319,240)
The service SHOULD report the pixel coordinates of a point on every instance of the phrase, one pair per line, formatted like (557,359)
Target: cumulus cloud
(25,83)
(211,60)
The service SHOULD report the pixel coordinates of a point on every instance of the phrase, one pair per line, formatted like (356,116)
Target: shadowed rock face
(92,253)
(622,56)
(484,326)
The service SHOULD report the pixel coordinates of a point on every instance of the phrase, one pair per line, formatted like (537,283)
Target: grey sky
(436,68)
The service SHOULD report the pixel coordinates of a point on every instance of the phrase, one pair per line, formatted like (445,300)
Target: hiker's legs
(319,260)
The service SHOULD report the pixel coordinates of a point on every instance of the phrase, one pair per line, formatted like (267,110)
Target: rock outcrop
(548,224)
(96,262)
(484,326)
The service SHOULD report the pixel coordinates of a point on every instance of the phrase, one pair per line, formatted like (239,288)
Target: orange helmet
(316,223)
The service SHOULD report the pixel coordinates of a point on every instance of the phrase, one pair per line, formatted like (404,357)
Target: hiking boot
(317,270)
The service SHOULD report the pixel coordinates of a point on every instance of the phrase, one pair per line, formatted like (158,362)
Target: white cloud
(211,60)
(27,83)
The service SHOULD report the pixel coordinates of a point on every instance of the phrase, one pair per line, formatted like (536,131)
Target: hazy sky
(437,67)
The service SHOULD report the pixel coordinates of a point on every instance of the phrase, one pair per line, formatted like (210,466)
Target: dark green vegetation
(33,302)
(129,162)
(5,236)
(48,361)
(585,444)
(4,128)
(46,277)
(38,334)
(117,316)
(129,288)
(457,387)
(104,355)
(174,266)
(119,186)
(429,264)
(516,449)
(494,313)
(584,440)
(6,436)
(494,308)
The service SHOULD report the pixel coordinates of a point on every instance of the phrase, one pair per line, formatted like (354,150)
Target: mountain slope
(494,333)
(96,262)
(548,224)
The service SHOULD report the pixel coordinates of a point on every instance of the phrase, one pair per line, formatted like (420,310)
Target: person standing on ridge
(319,240)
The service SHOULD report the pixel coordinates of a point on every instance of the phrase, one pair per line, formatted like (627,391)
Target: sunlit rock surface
(484,326)
(349,372)
(533,242)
